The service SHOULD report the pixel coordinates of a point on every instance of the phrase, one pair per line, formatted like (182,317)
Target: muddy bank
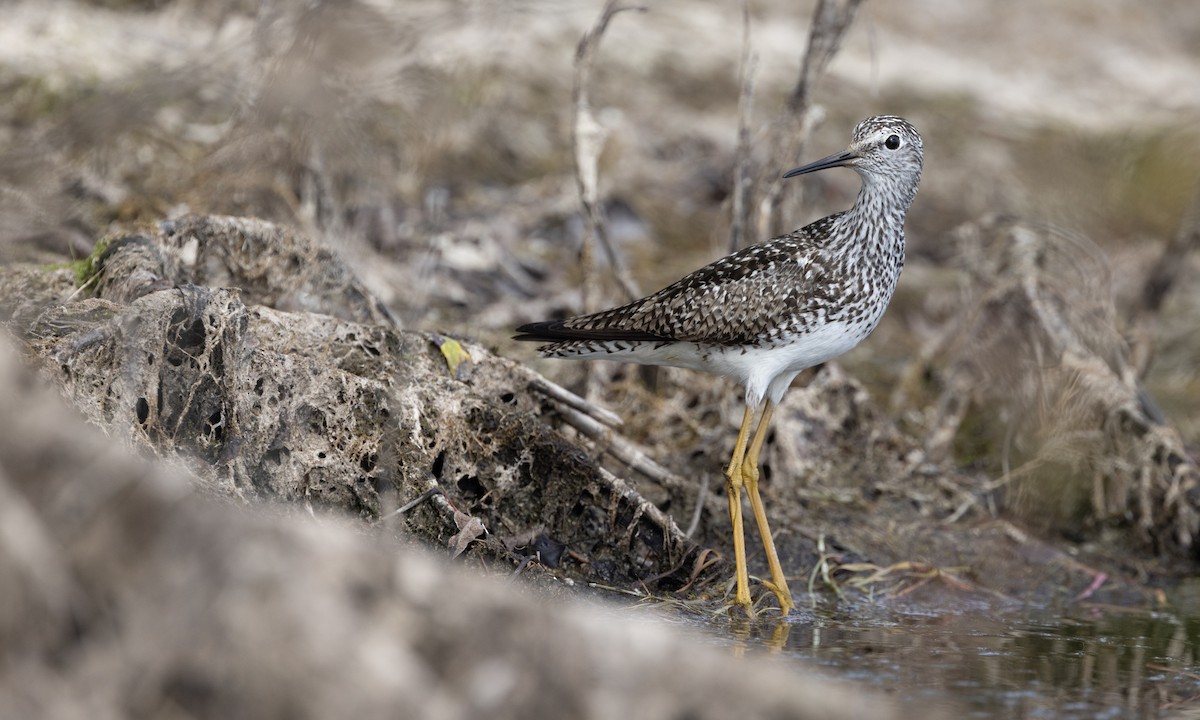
(179,353)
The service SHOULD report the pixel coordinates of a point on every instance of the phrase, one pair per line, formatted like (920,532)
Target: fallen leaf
(469,530)
(457,358)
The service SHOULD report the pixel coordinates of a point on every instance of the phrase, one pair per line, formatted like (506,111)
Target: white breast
(765,371)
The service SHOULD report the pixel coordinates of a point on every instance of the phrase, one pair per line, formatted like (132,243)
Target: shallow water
(1085,662)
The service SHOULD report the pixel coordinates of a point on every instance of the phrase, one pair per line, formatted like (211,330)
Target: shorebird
(764,313)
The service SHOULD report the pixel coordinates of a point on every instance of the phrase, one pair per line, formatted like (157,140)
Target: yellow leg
(749,473)
(733,486)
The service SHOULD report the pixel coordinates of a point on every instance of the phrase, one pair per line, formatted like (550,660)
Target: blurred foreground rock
(124,595)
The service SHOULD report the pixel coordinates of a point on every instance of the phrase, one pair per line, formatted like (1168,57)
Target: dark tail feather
(538,331)
(557,331)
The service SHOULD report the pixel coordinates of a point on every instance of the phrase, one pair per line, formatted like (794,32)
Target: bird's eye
(892,142)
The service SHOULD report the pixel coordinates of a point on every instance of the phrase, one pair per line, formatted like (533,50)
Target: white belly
(766,371)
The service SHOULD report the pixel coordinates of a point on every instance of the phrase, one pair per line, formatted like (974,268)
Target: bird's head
(885,148)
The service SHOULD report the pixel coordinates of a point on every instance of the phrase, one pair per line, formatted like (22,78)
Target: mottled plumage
(764,313)
(810,295)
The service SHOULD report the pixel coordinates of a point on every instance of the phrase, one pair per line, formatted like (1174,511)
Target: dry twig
(620,448)
(1162,277)
(566,397)
(831,19)
(741,172)
(587,142)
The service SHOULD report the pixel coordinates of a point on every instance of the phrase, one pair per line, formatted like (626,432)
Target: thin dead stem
(831,19)
(621,448)
(701,493)
(587,142)
(560,394)
(741,173)
(1158,283)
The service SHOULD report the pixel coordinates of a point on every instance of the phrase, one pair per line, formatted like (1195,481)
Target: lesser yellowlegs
(766,312)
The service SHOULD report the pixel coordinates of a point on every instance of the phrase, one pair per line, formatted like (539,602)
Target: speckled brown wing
(748,297)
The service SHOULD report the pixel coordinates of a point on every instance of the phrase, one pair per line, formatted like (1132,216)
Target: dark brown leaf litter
(252,356)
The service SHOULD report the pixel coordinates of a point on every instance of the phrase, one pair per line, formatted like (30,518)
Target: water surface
(1088,661)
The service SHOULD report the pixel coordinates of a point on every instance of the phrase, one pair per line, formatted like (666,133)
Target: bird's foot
(783,594)
(741,600)
(747,604)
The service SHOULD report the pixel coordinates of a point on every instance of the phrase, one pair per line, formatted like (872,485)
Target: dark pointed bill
(835,160)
